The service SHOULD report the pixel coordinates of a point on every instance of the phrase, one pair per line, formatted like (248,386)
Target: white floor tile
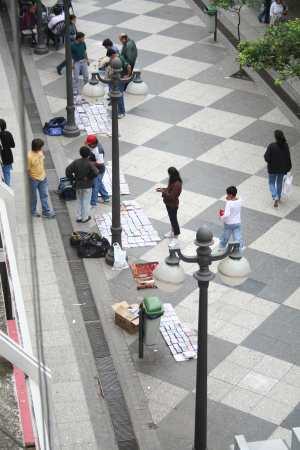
(84,8)
(219,123)
(138,130)
(47,77)
(276,116)
(147,24)
(257,382)
(132,101)
(236,155)
(229,372)
(273,367)
(134,6)
(90,28)
(292,377)
(179,4)
(177,67)
(271,410)
(285,393)
(217,389)
(56,104)
(294,300)
(196,93)
(241,399)
(163,44)
(245,357)
(282,433)
(155,169)
(194,20)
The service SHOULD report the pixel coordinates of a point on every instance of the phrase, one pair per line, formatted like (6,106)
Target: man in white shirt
(276,12)
(56,27)
(97,156)
(231,218)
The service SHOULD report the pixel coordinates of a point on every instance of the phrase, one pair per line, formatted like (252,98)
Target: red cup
(221,212)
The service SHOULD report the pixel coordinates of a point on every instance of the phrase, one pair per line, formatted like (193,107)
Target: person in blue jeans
(80,61)
(231,218)
(125,76)
(278,158)
(38,179)
(97,157)
(6,144)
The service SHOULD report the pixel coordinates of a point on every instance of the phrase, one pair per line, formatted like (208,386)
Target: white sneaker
(170,234)
(174,243)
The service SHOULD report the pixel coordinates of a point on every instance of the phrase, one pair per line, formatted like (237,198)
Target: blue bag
(55,126)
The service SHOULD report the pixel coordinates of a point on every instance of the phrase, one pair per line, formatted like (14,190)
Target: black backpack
(90,248)
(66,189)
(55,126)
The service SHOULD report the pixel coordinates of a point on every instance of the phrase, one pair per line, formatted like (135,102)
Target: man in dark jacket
(84,172)
(129,52)
(6,144)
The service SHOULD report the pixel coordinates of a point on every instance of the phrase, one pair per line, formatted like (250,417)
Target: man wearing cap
(125,76)
(84,172)
(97,157)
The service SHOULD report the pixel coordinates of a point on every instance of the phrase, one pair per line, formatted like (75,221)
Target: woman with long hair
(170,196)
(6,144)
(278,158)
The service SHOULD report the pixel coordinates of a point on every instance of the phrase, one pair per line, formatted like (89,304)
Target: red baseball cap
(91,139)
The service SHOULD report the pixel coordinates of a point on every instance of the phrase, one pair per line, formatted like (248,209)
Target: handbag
(90,248)
(287,185)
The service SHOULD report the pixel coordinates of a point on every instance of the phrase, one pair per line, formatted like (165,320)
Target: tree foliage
(278,49)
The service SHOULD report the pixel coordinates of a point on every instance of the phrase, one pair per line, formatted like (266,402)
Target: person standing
(125,75)
(276,12)
(38,179)
(231,218)
(73,32)
(170,196)
(264,16)
(80,61)
(6,144)
(84,172)
(108,43)
(97,157)
(129,52)
(278,158)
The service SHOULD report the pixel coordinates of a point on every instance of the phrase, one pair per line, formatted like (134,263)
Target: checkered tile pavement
(215,130)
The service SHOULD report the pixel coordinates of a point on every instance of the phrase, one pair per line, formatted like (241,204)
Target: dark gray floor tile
(293,419)
(294,215)
(262,133)
(273,347)
(165,110)
(209,217)
(209,179)
(280,275)
(158,83)
(57,88)
(217,351)
(188,32)
(225,422)
(252,286)
(182,141)
(172,13)
(203,53)
(145,58)
(245,104)
(113,33)
(137,186)
(108,16)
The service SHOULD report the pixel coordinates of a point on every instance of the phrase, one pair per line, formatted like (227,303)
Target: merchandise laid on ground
(181,340)
(107,181)
(93,118)
(137,230)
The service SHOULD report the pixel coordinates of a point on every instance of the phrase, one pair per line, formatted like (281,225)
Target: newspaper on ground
(181,340)
(107,181)
(137,230)
(93,118)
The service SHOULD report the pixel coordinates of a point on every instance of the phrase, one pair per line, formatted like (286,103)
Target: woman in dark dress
(278,158)
(6,144)
(170,196)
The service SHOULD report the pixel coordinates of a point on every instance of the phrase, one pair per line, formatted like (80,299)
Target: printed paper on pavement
(93,118)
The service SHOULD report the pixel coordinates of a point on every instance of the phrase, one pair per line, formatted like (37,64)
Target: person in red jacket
(170,196)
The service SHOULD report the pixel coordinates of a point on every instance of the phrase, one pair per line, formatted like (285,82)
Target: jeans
(83,203)
(275,184)
(6,169)
(80,68)
(233,230)
(172,213)
(121,104)
(98,188)
(42,188)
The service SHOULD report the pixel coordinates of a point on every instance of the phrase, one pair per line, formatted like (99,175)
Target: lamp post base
(109,258)
(71,131)
(41,49)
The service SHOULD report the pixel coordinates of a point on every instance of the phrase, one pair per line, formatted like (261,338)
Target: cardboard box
(126,316)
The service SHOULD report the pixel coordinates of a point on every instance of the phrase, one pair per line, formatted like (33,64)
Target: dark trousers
(264,16)
(61,65)
(172,213)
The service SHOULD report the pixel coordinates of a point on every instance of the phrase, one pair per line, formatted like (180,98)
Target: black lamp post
(70,129)
(41,47)
(116,229)
(234,271)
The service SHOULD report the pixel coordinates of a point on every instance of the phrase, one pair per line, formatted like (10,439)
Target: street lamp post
(234,271)
(116,229)
(41,47)
(70,129)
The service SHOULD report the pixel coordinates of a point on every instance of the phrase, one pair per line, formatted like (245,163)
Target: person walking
(6,144)
(80,61)
(72,34)
(231,218)
(97,157)
(129,52)
(84,172)
(38,179)
(170,196)
(264,16)
(278,159)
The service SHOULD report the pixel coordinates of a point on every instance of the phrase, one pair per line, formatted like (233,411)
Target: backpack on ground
(89,248)
(55,126)
(78,236)
(66,189)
